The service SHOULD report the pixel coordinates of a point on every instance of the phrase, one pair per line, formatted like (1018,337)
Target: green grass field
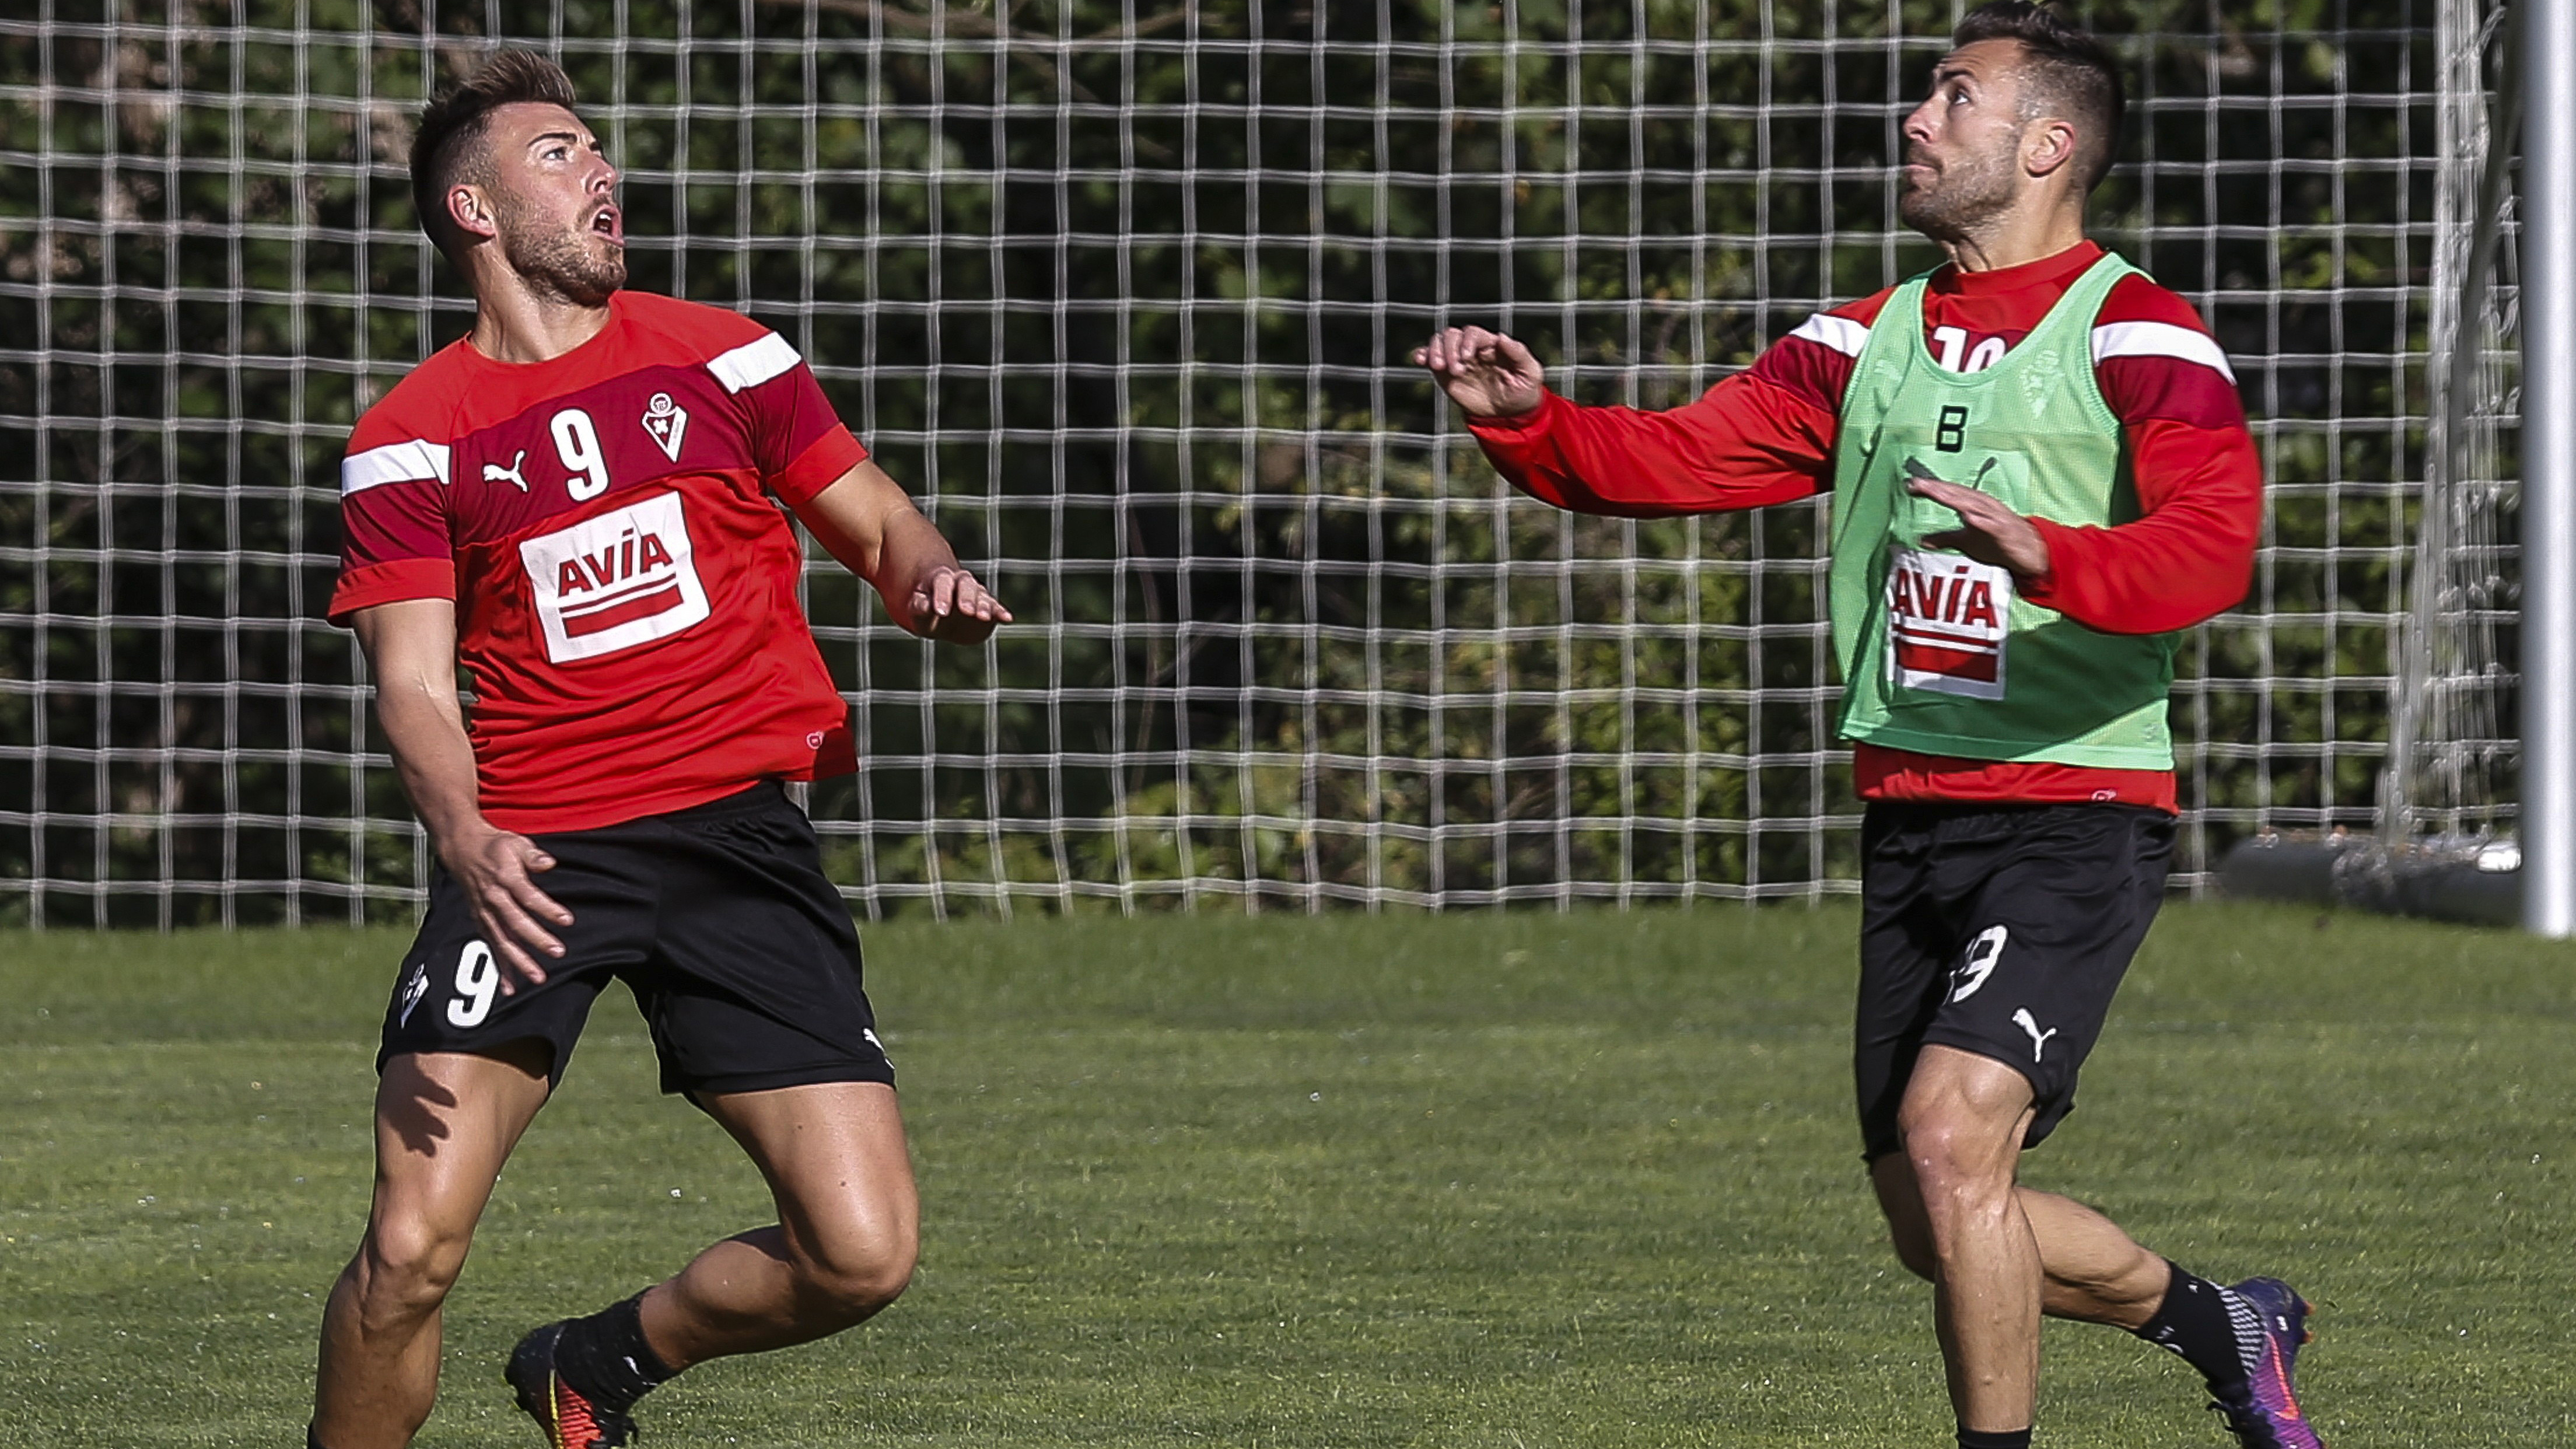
(1511,1181)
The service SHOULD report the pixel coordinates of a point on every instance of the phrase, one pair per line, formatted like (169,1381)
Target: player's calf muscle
(754,1292)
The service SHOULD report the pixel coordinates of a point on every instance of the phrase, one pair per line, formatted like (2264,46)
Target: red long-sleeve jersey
(1766,435)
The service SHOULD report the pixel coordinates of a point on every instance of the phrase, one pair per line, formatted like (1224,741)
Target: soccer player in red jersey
(579,503)
(2039,468)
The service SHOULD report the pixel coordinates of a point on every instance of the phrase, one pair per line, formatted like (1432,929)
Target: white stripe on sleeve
(1841,334)
(2159,339)
(404,462)
(753,363)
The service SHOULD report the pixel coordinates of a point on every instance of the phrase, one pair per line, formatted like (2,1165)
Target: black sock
(2195,1321)
(1994,1439)
(605,1358)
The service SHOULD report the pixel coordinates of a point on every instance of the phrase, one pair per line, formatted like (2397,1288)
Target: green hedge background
(1122,290)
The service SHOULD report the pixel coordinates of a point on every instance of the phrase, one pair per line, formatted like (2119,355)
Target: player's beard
(559,264)
(1963,196)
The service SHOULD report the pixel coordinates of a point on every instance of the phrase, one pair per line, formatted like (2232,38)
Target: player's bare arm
(1487,374)
(411,648)
(869,523)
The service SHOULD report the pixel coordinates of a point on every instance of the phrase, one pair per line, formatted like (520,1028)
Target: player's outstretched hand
(1989,531)
(497,868)
(950,606)
(1489,374)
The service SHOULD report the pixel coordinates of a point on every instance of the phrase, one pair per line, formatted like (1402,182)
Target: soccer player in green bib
(2040,473)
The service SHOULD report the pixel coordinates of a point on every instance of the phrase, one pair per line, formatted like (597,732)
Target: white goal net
(2452,758)
(1122,289)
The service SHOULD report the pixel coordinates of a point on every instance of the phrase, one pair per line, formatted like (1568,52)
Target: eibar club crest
(668,422)
(2039,382)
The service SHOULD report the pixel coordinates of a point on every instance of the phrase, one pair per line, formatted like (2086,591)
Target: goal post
(1121,289)
(2549,473)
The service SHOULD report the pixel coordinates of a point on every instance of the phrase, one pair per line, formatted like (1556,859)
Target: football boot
(2270,1417)
(568,1420)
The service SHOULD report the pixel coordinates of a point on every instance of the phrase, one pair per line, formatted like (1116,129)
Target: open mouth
(606,222)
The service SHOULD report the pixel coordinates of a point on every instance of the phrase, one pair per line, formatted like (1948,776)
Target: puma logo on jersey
(667,422)
(623,578)
(495,473)
(1979,962)
(2029,1023)
(1914,468)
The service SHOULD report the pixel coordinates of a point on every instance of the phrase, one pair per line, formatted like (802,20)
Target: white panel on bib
(612,582)
(1946,619)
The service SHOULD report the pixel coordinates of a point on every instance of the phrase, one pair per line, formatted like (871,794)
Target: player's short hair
(448,145)
(2066,72)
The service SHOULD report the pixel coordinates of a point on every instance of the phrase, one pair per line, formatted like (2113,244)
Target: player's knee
(1956,1167)
(842,1297)
(410,1264)
(1940,1151)
(853,1280)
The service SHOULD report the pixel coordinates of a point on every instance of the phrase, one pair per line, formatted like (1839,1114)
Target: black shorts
(719,918)
(2000,930)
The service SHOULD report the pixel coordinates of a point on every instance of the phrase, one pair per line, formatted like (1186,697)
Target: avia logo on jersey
(1946,617)
(612,582)
(668,422)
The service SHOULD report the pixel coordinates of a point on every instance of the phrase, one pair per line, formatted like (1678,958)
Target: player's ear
(2048,146)
(471,211)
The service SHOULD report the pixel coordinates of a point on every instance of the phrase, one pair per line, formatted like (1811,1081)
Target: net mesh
(1121,290)
(2451,759)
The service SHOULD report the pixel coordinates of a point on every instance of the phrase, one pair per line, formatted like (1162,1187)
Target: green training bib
(1939,653)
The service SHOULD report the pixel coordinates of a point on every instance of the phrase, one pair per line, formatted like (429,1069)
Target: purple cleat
(2270,1418)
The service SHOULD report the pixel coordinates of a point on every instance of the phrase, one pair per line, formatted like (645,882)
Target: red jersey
(625,585)
(1766,435)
